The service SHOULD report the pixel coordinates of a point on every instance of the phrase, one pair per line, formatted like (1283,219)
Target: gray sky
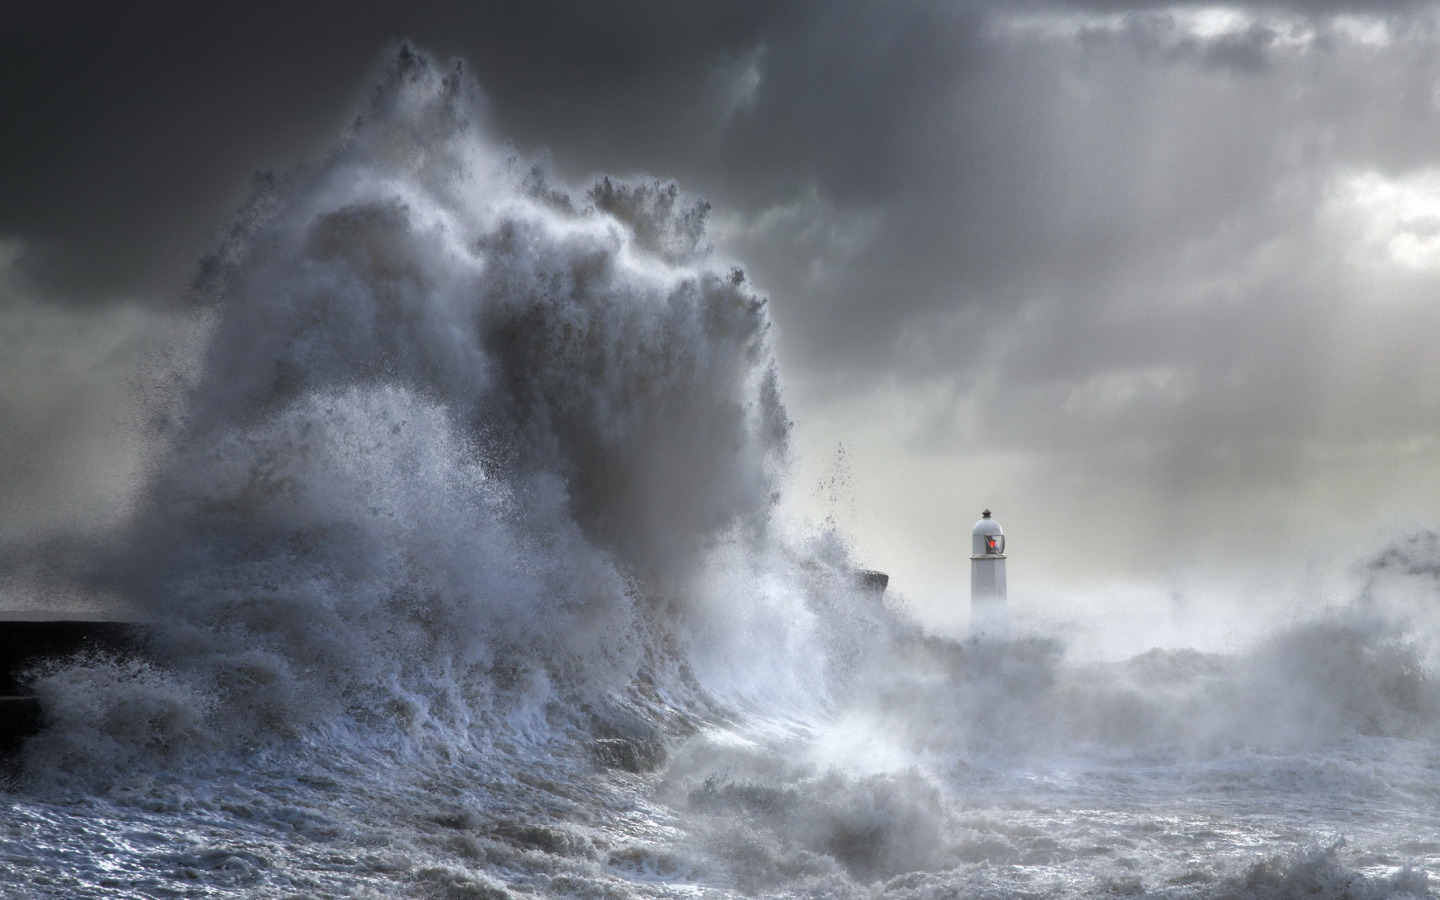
(1158,284)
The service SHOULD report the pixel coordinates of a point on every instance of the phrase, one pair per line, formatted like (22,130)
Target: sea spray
(465,443)
(464,581)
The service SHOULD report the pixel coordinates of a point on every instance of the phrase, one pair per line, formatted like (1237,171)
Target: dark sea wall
(23,644)
(26,644)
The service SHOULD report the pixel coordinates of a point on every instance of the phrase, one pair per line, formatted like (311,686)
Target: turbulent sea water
(463,582)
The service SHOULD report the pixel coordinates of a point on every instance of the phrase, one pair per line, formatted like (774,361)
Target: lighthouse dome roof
(987,526)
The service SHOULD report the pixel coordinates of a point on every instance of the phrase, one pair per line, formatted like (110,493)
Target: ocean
(462,578)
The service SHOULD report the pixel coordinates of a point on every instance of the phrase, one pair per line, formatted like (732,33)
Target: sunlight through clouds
(1395,220)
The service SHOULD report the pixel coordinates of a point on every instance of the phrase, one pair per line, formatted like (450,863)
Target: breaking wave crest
(464,444)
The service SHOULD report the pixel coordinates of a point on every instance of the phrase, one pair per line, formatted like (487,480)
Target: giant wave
(464,579)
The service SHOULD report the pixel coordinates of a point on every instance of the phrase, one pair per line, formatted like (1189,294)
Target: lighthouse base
(989,619)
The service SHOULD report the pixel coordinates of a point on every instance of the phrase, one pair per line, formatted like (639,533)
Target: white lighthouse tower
(989,613)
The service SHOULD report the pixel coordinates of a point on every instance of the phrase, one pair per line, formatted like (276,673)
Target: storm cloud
(1156,282)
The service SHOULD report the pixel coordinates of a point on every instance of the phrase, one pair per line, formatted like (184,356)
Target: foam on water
(465,583)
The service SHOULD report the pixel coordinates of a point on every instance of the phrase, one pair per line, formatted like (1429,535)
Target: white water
(465,582)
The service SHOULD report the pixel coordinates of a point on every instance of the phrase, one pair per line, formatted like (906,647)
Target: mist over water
(465,579)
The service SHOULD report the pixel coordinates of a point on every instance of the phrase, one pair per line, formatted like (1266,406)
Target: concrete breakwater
(26,645)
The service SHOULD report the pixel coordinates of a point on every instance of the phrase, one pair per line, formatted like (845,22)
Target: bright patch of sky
(1396,219)
(1178,24)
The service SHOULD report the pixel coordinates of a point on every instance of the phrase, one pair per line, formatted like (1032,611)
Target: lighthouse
(989,613)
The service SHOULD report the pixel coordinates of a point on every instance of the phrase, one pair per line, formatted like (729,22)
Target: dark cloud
(137,125)
(1170,255)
